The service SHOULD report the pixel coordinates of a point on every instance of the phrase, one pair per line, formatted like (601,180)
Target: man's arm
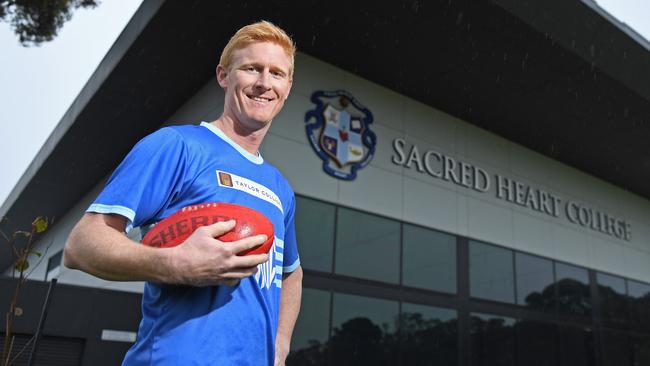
(289,309)
(98,245)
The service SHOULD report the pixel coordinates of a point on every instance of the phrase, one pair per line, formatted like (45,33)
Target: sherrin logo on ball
(176,228)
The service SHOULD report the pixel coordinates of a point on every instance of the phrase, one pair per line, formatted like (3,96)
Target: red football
(175,228)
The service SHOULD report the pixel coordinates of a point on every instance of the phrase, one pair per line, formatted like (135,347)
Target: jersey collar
(256,159)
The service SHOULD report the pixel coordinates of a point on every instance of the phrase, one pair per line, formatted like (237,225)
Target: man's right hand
(99,246)
(203,260)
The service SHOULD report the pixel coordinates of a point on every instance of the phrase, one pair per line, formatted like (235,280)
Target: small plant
(20,255)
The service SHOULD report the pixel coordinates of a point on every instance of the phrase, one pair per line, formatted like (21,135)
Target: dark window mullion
(514,277)
(462,291)
(596,316)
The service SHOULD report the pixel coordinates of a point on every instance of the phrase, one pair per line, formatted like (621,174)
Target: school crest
(338,130)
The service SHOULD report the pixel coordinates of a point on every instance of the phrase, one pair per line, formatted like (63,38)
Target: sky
(38,84)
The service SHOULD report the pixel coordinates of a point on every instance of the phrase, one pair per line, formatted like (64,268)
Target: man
(203,304)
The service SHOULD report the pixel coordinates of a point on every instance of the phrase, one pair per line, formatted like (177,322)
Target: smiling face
(256,84)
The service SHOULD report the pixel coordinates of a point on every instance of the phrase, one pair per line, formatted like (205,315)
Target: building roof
(560,77)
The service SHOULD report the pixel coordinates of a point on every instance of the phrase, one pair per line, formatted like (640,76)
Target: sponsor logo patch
(233,181)
(225,179)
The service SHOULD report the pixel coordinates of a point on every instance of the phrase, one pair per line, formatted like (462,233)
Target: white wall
(404,194)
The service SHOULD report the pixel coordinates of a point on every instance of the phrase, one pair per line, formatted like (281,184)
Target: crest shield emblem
(338,130)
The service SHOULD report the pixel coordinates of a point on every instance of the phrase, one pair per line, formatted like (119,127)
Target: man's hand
(202,260)
(98,245)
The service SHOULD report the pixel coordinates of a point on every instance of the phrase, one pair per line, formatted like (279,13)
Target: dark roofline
(608,43)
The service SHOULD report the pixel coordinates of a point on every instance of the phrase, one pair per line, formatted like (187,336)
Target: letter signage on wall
(470,176)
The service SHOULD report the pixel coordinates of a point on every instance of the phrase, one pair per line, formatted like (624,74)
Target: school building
(471,179)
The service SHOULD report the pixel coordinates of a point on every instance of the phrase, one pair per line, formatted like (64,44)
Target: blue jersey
(220,325)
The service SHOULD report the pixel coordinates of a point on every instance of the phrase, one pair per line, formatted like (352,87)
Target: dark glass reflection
(641,350)
(535,288)
(491,272)
(315,233)
(428,336)
(639,305)
(492,340)
(615,348)
(309,340)
(363,331)
(367,246)
(574,294)
(613,301)
(429,259)
(576,346)
(535,343)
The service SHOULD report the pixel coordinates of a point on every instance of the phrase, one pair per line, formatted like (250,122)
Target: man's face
(256,84)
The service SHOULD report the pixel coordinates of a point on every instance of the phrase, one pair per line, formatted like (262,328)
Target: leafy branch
(20,256)
(37,21)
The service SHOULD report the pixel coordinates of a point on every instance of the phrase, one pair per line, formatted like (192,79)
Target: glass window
(535,288)
(315,233)
(574,294)
(363,331)
(535,343)
(576,346)
(428,336)
(309,340)
(492,340)
(491,272)
(615,348)
(639,303)
(429,259)
(613,302)
(367,246)
(641,350)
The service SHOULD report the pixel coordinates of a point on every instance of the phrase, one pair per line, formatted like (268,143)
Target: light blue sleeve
(146,180)
(291,259)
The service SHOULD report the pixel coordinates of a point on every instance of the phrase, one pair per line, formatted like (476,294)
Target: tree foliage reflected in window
(492,340)
(535,288)
(420,335)
(613,299)
(639,304)
(555,306)
(428,340)
(359,342)
(37,21)
(574,294)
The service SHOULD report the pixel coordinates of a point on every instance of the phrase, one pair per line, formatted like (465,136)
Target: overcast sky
(38,84)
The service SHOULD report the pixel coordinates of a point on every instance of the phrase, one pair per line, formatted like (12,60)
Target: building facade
(427,238)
